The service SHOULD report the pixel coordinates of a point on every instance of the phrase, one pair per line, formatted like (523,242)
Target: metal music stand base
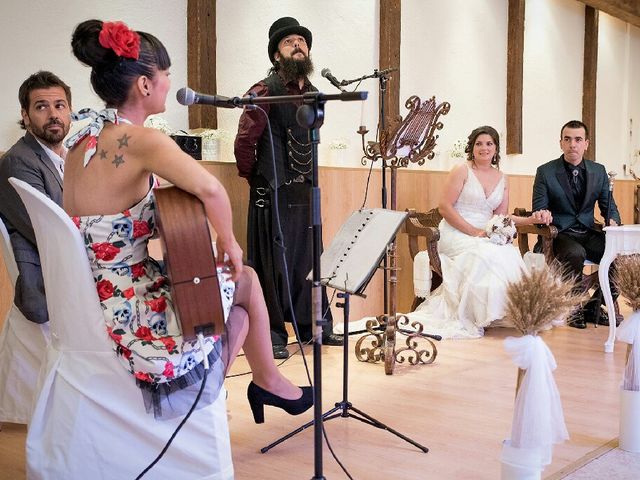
(345,408)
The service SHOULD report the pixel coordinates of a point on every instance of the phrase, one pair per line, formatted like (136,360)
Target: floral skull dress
(136,300)
(135,296)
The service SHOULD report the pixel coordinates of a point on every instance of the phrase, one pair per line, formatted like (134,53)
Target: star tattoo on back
(103,154)
(123,141)
(118,160)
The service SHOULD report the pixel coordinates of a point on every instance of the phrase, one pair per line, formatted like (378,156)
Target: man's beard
(49,137)
(292,68)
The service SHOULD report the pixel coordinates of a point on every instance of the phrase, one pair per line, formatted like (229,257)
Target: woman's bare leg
(237,327)
(257,342)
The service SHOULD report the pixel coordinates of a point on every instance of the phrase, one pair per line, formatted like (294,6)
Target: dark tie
(575,184)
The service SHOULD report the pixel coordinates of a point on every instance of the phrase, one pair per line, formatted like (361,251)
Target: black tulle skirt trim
(172,399)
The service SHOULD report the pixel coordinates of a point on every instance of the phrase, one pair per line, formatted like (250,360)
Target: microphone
(326,73)
(186,96)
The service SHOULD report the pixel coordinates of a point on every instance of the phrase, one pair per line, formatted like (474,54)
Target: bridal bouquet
(501,230)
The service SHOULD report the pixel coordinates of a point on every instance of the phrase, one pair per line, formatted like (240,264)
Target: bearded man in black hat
(289,45)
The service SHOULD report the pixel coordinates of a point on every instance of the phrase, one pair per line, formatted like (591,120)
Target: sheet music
(358,248)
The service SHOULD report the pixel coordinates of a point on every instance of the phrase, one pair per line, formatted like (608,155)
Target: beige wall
(455,50)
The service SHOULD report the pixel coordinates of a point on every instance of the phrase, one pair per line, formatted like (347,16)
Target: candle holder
(408,140)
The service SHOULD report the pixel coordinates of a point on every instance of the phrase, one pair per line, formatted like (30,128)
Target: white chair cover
(89,420)
(422,275)
(22,348)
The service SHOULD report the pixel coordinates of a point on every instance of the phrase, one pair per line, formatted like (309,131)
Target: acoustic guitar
(189,261)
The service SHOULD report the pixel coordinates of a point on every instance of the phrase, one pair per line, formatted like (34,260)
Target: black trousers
(572,249)
(264,251)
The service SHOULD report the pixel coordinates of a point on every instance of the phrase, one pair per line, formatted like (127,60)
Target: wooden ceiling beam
(515,62)
(389,57)
(590,76)
(625,10)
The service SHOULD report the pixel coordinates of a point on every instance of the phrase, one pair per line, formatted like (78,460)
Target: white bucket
(630,421)
(520,463)
(513,472)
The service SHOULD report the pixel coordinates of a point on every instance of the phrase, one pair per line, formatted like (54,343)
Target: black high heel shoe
(258,397)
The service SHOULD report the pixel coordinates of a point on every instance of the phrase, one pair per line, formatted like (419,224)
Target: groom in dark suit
(569,187)
(38,159)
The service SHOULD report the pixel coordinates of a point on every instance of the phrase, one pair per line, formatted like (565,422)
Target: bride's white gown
(475,271)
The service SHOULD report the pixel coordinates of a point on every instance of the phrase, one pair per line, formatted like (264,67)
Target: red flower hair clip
(121,39)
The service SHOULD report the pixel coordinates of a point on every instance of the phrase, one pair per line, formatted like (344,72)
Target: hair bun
(87,48)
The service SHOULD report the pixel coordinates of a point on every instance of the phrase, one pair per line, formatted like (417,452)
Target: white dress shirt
(57,160)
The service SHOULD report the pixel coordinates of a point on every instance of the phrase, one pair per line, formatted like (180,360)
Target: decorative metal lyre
(408,140)
(413,138)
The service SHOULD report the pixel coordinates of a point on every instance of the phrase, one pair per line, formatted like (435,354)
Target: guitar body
(190,262)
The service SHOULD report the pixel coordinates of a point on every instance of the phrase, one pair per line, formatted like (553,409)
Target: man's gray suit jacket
(27,161)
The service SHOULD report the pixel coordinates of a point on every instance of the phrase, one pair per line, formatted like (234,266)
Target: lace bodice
(473,205)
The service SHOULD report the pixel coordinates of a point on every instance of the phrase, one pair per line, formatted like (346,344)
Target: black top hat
(286,26)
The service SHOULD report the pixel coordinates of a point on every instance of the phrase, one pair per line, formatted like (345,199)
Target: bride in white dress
(475,271)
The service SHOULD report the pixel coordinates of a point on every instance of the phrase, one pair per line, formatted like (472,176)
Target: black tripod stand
(345,408)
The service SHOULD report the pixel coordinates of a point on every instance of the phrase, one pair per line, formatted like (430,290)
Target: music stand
(348,265)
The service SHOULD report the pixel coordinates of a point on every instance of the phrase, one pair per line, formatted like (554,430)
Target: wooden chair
(546,234)
(423,234)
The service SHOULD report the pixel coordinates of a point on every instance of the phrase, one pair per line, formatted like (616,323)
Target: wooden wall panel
(342,193)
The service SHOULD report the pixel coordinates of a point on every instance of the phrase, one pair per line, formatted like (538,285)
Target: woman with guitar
(107,190)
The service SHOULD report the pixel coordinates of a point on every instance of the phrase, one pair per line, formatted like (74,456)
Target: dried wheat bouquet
(541,296)
(627,279)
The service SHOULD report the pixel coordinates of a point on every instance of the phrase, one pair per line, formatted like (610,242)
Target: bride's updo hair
(487,130)
(111,74)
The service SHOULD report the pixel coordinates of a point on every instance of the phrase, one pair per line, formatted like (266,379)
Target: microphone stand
(310,115)
(376,74)
(383,78)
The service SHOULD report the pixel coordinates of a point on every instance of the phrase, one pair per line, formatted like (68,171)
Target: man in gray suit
(38,159)
(569,187)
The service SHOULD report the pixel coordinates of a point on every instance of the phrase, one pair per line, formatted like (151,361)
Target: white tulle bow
(629,332)
(629,329)
(538,421)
